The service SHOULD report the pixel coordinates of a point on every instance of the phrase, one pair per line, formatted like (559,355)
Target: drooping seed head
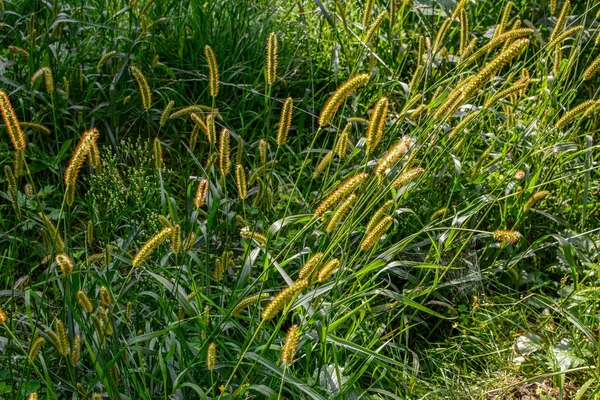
(281,298)
(337,98)
(309,267)
(151,245)
(142,82)
(372,237)
(328,269)
(247,302)
(342,191)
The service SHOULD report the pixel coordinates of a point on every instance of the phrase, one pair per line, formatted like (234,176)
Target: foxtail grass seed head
(342,191)
(246,233)
(157,153)
(568,33)
(281,298)
(85,302)
(289,345)
(94,155)
(164,221)
(107,325)
(393,154)
(33,396)
(35,348)
(239,156)
(218,270)
(309,267)
(166,113)
(63,341)
(240,181)
(3,317)
(19,162)
(213,71)
(16,50)
(407,177)
(36,127)
(11,181)
(55,238)
(247,302)
(441,35)
(90,233)
(328,269)
(535,198)
(372,237)
(104,296)
(323,164)
(578,110)
(507,236)
(561,20)
(376,124)
(367,11)
(114,374)
(211,130)
(98,327)
(271,58)
(262,151)
(592,69)
(464,31)
(201,191)
(194,137)
(379,214)
(151,245)
(200,125)
(142,82)
(285,121)
(337,98)
(189,242)
(193,109)
(486,73)
(211,356)
(339,213)
(65,263)
(81,151)
(374,27)
(341,145)
(48,78)
(516,88)
(176,239)
(105,58)
(438,214)
(12,122)
(75,351)
(501,27)
(96,396)
(224,152)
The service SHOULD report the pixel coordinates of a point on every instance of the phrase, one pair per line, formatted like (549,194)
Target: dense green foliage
(467,264)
